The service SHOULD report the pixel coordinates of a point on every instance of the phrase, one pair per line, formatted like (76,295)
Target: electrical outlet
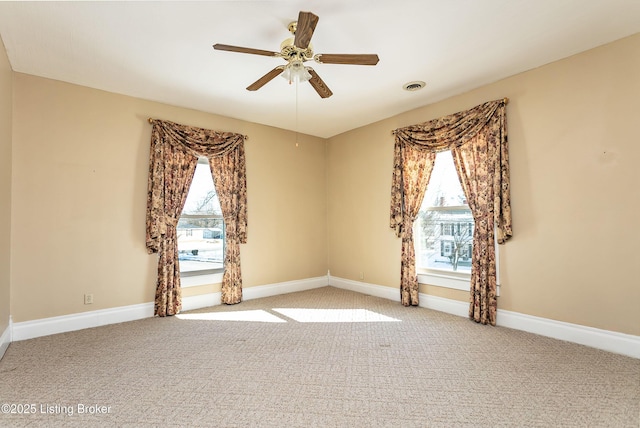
(361,275)
(88,299)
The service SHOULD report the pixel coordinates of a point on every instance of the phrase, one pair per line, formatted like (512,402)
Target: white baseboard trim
(5,339)
(611,341)
(436,303)
(201,301)
(365,288)
(61,324)
(442,304)
(284,288)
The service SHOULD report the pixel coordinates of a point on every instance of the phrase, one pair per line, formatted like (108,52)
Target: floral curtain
(174,155)
(478,141)
(229,179)
(411,174)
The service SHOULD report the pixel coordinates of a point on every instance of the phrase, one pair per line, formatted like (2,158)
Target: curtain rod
(246,137)
(505,99)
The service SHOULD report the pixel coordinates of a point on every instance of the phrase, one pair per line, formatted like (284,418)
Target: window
(444,227)
(447,228)
(201,228)
(446,248)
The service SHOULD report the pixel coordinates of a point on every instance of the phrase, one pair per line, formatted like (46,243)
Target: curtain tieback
(168,221)
(407,228)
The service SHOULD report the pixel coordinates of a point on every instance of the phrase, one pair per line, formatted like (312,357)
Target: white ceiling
(162,51)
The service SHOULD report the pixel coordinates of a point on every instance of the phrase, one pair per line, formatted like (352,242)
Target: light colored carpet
(320,358)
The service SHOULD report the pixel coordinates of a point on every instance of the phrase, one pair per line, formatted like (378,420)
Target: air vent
(414,86)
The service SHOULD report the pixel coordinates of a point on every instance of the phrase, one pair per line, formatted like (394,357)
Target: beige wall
(359,177)
(80,175)
(574,147)
(6,99)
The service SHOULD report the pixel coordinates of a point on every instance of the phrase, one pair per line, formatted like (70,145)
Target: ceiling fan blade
(355,59)
(318,84)
(266,78)
(307,22)
(240,49)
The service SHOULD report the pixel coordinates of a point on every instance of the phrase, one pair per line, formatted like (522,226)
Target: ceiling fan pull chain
(297,84)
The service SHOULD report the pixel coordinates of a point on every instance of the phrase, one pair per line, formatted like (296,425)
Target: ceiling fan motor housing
(290,52)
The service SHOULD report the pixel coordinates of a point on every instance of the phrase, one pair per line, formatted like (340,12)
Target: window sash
(201,272)
(205,216)
(446,232)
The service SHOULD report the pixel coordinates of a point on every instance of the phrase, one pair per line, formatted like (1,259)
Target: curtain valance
(452,130)
(196,141)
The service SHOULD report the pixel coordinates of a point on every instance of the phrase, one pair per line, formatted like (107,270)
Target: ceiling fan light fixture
(295,71)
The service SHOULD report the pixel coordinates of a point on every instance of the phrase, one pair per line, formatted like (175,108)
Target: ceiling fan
(296,51)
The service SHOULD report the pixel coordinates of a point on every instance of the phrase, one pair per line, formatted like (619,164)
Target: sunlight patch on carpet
(334,315)
(254,316)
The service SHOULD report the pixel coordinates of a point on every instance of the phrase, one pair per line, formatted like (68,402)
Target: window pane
(444,227)
(444,189)
(202,198)
(200,244)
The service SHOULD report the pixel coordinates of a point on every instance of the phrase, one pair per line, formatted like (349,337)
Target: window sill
(444,279)
(196,280)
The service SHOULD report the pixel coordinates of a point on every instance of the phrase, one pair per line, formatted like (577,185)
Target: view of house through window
(201,228)
(444,227)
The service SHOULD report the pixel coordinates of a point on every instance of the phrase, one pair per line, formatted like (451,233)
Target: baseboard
(365,288)
(284,288)
(611,341)
(454,307)
(441,304)
(5,339)
(201,301)
(61,324)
